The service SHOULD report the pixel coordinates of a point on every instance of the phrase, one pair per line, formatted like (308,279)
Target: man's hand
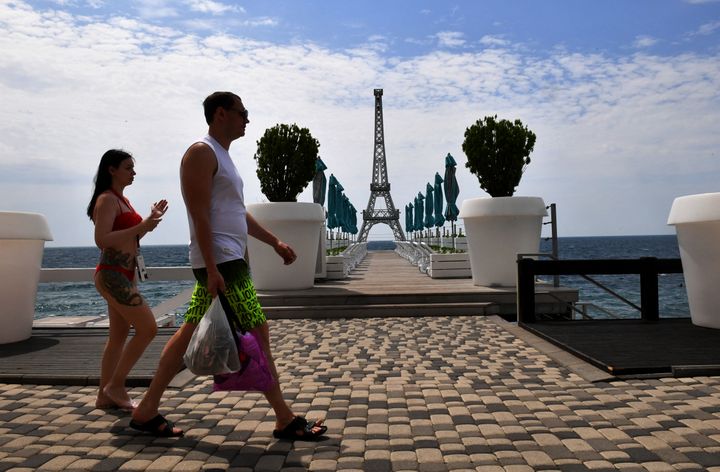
(286,252)
(215,282)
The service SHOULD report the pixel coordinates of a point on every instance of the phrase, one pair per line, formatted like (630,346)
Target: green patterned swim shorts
(240,292)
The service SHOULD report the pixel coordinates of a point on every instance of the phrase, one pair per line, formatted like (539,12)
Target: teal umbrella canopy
(438,201)
(451,189)
(339,210)
(419,212)
(407,221)
(414,217)
(332,203)
(346,226)
(319,182)
(429,206)
(353,219)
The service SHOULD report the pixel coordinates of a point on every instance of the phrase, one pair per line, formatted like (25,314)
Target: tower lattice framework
(380,186)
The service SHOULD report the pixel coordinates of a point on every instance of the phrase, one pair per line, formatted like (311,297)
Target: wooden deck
(671,346)
(71,356)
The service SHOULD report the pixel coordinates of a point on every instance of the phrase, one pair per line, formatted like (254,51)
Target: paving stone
(395,400)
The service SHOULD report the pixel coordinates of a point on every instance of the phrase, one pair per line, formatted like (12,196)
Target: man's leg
(283,414)
(171,360)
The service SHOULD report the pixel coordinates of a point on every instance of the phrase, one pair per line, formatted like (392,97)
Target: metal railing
(647,267)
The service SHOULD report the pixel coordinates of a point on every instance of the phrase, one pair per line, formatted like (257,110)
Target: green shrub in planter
(285,158)
(497,153)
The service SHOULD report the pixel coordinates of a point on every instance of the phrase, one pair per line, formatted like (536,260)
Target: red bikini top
(126,219)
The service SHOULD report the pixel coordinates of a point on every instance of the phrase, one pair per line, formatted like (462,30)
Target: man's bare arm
(257,231)
(198,167)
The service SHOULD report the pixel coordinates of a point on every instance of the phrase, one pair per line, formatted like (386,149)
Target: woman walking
(118,229)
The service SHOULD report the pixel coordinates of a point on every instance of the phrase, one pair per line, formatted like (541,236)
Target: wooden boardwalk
(385,284)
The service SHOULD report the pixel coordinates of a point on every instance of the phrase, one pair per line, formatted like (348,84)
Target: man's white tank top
(228,217)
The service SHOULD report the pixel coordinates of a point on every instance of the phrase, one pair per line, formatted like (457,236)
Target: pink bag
(254,373)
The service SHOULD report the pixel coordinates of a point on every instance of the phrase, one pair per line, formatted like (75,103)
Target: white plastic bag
(212,349)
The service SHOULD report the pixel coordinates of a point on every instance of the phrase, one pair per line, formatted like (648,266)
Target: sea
(75,299)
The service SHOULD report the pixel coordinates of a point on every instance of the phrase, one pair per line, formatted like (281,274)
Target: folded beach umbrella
(409,217)
(407,225)
(451,190)
(438,201)
(332,203)
(419,211)
(319,182)
(429,206)
(346,226)
(339,210)
(353,219)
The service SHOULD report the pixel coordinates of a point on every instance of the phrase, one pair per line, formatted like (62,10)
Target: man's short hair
(215,100)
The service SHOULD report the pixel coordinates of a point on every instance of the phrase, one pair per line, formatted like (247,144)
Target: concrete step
(375,310)
(330,300)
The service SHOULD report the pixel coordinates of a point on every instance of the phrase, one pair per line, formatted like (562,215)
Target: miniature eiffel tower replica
(380,186)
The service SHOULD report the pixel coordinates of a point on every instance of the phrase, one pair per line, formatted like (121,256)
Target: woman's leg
(142,319)
(125,301)
(118,332)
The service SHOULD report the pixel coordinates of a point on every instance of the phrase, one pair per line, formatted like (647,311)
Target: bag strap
(230,315)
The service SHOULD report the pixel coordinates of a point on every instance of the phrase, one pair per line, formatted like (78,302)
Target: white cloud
(262,21)
(700,2)
(617,137)
(707,28)
(152,9)
(213,7)
(644,42)
(450,39)
(488,40)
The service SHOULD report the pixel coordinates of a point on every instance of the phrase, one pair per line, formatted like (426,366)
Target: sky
(624,97)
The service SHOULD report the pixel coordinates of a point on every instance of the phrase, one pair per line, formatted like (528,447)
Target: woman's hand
(157,210)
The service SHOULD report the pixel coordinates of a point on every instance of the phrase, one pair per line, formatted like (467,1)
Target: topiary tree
(285,159)
(497,153)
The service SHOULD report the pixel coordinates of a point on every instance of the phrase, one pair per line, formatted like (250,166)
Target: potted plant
(500,226)
(285,159)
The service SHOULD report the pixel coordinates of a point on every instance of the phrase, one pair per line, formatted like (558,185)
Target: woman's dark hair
(225,100)
(103,179)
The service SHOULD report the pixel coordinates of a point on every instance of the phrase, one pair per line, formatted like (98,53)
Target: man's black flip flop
(154,427)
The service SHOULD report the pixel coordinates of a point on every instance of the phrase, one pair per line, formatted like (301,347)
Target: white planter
(321,257)
(298,224)
(697,223)
(460,243)
(498,229)
(22,239)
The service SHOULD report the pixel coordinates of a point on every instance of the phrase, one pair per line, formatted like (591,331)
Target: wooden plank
(69,356)
(630,347)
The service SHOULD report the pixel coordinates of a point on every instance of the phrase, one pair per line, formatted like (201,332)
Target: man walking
(219,226)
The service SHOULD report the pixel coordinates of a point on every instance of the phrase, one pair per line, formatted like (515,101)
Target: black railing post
(525,290)
(649,306)
(555,252)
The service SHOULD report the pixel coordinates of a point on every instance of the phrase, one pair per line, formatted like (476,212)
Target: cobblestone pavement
(427,394)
